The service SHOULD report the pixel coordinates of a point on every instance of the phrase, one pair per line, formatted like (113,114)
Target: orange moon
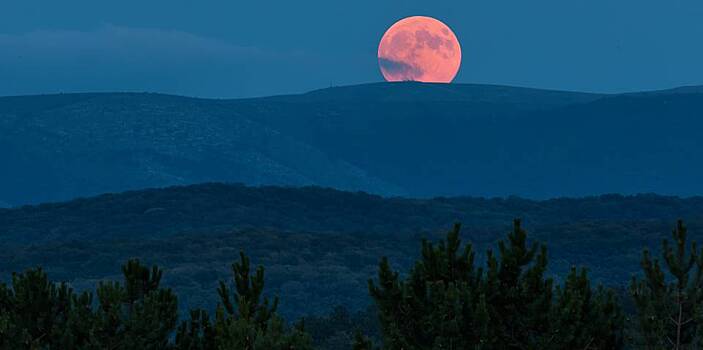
(419,48)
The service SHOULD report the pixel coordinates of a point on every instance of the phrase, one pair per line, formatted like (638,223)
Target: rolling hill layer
(409,139)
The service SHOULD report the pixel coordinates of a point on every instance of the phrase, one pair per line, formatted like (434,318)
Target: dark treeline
(446,301)
(318,244)
(215,207)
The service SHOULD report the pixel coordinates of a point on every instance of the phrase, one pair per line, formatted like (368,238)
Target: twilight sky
(238,48)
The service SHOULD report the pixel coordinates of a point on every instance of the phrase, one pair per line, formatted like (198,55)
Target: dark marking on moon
(402,68)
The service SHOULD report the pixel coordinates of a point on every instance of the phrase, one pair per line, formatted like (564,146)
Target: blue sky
(238,48)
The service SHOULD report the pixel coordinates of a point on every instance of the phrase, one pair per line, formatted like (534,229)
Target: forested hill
(318,244)
(411,139)
(215,207)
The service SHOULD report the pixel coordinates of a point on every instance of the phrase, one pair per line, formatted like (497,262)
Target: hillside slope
(407,139)
(498,147)
(115,142)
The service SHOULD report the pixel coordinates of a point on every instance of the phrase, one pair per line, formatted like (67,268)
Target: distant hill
(215,207)
(318,244)
(408,139)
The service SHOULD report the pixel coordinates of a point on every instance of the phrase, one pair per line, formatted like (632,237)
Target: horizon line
(332,87)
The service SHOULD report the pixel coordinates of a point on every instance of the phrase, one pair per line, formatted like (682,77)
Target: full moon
(421,49)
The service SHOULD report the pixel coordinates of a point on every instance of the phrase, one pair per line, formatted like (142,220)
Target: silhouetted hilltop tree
(447,303)
(669,301)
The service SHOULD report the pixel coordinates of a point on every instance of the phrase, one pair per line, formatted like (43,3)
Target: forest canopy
(316,243)
(447,300)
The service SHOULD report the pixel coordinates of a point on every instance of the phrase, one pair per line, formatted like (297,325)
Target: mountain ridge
(406,139)
(691,89)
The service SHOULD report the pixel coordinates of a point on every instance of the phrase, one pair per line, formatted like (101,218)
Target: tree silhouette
(669,302)
(445,302)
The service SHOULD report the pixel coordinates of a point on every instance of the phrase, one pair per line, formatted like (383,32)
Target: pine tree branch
(670,341)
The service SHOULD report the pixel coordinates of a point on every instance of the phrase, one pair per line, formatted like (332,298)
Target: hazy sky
(239,48)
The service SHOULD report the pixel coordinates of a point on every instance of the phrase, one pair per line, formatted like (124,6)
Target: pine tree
(138,314)
(583,318)
(248,303)
(78,333)
(669,303)
(197,333)
(244,318)
(37,309)
(435,307)
(447,303)
(517,293)
(36,313)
